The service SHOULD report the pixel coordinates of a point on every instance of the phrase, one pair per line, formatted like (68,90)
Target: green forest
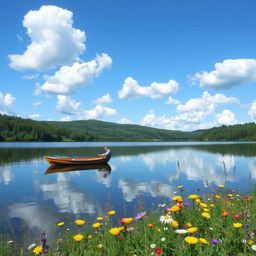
(19,129)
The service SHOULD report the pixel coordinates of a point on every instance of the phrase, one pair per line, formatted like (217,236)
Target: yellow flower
(174,224)
(158,230)
(89,236)
(121,228)
(60,224)
(206,210)
(250,242)
(99,218)
(111,212)
(37,250)
(189,224)
(191,240)
(206,214)
(175,208)
(237,225)
(230,195)
(96,225)
(203,241)
(212,205)
(177,198)
(198,201)
(192,230)
(127,220)
(203,205)
(114,231)
(79,222)
(221,186)
(180,186)
(100,246)
(78,237)
(193,197)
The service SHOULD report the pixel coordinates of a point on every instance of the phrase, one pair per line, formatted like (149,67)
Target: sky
(172,64)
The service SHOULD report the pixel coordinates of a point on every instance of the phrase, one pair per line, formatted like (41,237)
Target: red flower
(236,216)
(122,222)
(120,238)
(158,251)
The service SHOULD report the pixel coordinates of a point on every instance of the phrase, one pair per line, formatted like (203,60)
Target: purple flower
(215,241)
(167,209)
(185,204)
(140,215)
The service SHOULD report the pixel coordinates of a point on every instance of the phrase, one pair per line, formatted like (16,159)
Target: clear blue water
(32,201)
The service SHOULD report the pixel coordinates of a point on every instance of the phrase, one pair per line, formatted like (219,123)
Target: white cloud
(97,113)
(131,89)
(69,78)
(226,117)
(30,77)
(103,100)
(54,41)
(68,106)
(252,111)
(171,100)
(228,74)
(65,119)
(36,103)
(125,121)
(6,102)
(34,116)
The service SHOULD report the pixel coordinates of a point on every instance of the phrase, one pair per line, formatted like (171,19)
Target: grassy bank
(223,223)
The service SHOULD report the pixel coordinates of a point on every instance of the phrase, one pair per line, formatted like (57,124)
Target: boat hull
(76,161)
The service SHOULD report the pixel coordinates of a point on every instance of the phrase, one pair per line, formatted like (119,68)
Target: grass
(223,223)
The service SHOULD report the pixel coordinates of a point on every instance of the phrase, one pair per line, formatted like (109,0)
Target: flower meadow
(221,223)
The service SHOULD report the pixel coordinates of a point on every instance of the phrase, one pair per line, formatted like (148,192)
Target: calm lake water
(34,198)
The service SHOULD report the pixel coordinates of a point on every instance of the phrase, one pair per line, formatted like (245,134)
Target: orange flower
(225,214)
(217,196)
(150,225)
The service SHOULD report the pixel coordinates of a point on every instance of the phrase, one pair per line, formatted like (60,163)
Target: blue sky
(180,65)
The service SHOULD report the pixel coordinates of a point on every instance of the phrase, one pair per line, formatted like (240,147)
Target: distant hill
(19,129)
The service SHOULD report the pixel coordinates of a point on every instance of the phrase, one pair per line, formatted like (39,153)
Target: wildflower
(60,224)
(189,225)
(215,241)
(44,244)
(158,230)
(203,241)
(206,210)
(203,205)
(225,214)
(193,197)
(31,246)
(248,198)
(254,247)
(185,204)
(111,212)
(140,215)
(230,195)
(126,221)
(175,208)
(236,216)
(177,198)
(181,231)
(121,228)
(10,242)
(100,246)
(163,239)
(153,246)
(89,236)
(99,218)
(129,229)
(192,230)
(198,201)
(114,231)
(174,224)
(78,237)
(158,251)
(165,229)
(206,215)
(237,225)
(217,196)
(250,242)
(180,186)
(120,238)
(221,186)
(166,219)
(37,250)
(96,225)
(191,240)
(150,225)
(79,222)
(212,205)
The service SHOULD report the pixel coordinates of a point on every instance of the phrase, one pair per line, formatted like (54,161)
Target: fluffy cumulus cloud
(252,112)
(131,89)
(171,100)
(226,117)
(54,40)
(6,102)
(106,99)
(228,74)
(97,113)
(125,121)
(68,106)
(190,116)
(65,119)
(69,78)
(34,116)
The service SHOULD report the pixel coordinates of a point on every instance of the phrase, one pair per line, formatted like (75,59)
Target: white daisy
(254,247)
(165,229)
(166,219)
(163,239)
(152,246)
(181,231)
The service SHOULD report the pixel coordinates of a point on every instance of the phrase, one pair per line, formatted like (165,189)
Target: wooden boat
(68,168)
(76,161)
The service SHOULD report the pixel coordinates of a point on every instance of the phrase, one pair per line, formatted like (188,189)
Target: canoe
(68,168)
(76,161)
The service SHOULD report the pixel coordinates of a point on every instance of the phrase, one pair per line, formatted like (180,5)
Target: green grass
(151,237)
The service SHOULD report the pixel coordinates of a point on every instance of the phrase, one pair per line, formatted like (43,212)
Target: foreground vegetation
(222,223)
(18,129)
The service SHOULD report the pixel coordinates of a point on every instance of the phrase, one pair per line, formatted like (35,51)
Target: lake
(34,198)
